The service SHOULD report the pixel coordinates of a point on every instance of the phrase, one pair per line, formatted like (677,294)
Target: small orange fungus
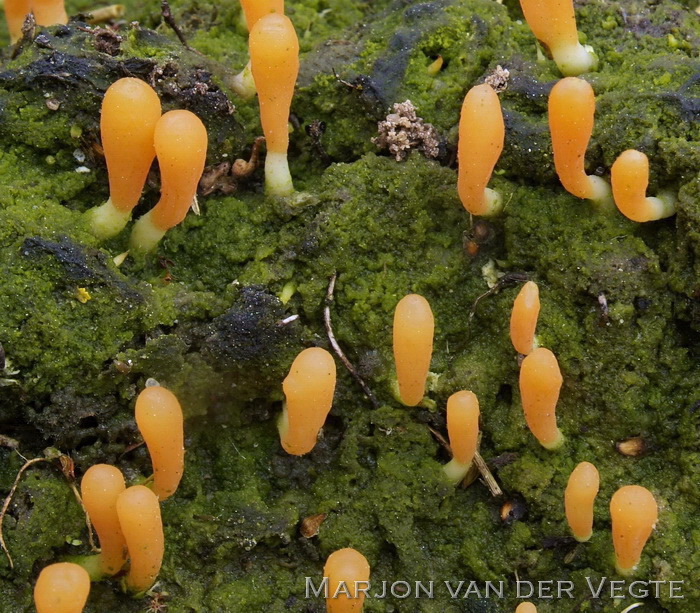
(526,607)
(463,431)
(181,147)
(553,23)
(523,318)
(62,588)
(579,497)
(481,137)
(139,516)
(16,12)
(348,574)
(414,326)
(274,57)
(571,111)
(630,178)
(634,512)
(49,12)
(130,111)
(160,421)
(540,382)
(308,389)
(100,488)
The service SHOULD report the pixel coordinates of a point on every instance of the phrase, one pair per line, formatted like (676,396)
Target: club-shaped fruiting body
(100,487)
(62,588)
(481,137)
(348,572)
(139,516)
(16,12)
(274,59)
(526,607)
(540,383)
(553,23)
(49,12)
(308,390)
(630,179)
(463,432)
(160,421)
(523,318)
(414,326)
(579,497)
(571,112)
(634,513)
(130,111)
(181,148)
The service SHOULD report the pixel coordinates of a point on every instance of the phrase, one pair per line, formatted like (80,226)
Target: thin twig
(487,476)
(336,346)
(170,20)
(507,279)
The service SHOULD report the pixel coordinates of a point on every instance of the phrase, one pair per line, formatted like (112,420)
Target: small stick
(487,476)
(106,13)
(170,20)
(336,346)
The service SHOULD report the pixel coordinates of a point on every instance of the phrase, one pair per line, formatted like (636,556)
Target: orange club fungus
(481,137)
(274,59)
(523,318)
(571,111)
(181,147)
(243,83)
(49,12)
(579,497)
(540,383)
(16,12)
(347,571)
(160,421)
(526,607)
(62,588)
(139,515)
(553,23)
(100,487)
(630,178)
(634,512)
(414,326)
(130,111)
(463,432)
(308,390)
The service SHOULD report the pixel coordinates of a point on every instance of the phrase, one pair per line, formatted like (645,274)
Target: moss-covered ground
(620,306)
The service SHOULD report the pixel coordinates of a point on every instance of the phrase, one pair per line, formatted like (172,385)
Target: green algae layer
(209,314)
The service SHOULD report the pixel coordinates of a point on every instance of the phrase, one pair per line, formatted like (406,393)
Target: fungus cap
(526,607)
(308,389)
(100,487)
(523,318)
(16,12)
(49,12)
(579,497)
(414,326)
(634,513)
(463,432)
(62,588)
(160,421)
(481,137)
(350,567)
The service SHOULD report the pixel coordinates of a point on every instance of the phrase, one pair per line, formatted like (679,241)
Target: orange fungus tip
(255,9)
(49,12)
(630,179)
(348,572)
(481,137)
(553,22)
(62,588)
(100,487)
(571,111)
(274,60)
(16,12)
(523,318)
(413,346)
(139,515)
(463,432)
(181,147)
(579,498)
(526,607)
(160,421)
(308,390)
(540,383)
(634,513)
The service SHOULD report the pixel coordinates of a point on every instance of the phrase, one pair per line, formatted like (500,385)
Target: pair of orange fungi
(414,327)
(523,318)
(553,23)
(571,111)
(481,138)
(133,133)
(579,497)
(308,389)
(540,383)
(634,513)
(463,431)
(62,588)
(274,61)
(346,570)
(46,13)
